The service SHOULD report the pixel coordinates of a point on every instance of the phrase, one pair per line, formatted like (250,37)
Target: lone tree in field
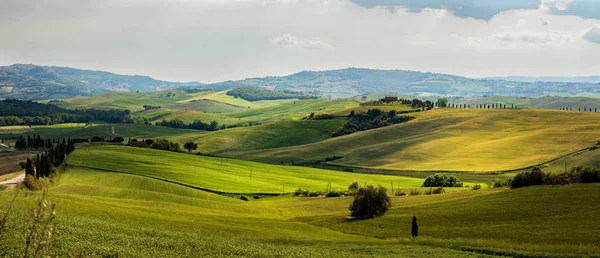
(190,146)
(370,202)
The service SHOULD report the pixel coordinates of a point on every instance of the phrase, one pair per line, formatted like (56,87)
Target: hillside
(24,81)
(163,219)
(345,83)
(453,139)
(546,102)
(50,82)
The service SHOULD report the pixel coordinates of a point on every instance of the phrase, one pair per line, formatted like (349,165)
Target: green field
(265,136)
(102,130)
(224,175)
(546,102)
(586,158)
(129,213)
(454,139)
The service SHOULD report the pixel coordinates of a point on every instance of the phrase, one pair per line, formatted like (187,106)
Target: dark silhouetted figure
(415,227)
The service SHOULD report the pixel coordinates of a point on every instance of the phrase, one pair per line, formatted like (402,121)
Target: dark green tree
(190,146)
(370,202)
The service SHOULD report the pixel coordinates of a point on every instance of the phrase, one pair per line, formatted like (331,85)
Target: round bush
(370,202)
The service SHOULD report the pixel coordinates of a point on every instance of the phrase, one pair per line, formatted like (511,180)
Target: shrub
(334,194)
(439,190)
(498,183)
(31,183)
(399,193)
(118,139)
(97,139)
(244,198)
(534,177)
(301,192)
(165,145)
(354,186)
(414,192)
(476,187)
(429,191)
(332,158)
(256,197)
(149,141)
(370,202)
(442,180)
(314,194)
(587,174)
(23,164)
(348,170)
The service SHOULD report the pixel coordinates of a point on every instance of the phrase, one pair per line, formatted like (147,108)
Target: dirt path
(112,130)
(15,180)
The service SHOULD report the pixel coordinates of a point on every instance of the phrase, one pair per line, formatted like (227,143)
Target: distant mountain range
(355,81)
(49,82)
(25,81)
(580,79)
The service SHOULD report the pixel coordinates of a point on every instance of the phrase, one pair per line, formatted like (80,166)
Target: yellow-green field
(265,136)
(224,175)
(135,212)
(454,139)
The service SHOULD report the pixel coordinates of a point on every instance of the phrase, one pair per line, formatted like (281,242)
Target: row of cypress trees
(35,142)
(42,165)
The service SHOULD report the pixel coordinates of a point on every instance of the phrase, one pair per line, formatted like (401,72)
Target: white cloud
(290,41)
(593,35)
(532,37)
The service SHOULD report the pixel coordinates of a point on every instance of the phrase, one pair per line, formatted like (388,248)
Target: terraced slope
(454,139)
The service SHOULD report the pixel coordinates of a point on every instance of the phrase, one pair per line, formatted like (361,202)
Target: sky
(218,40)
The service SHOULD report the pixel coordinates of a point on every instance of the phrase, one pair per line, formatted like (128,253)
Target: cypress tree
(28,167)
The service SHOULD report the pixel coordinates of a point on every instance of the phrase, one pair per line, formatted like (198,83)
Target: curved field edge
(223,175)
(453,140)
(157,218)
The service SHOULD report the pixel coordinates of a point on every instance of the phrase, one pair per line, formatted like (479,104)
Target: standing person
(415,227)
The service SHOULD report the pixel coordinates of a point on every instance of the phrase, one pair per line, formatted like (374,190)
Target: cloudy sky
(215,40)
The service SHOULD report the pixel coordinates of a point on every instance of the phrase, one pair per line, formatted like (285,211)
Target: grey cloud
(593,35)
(480,9)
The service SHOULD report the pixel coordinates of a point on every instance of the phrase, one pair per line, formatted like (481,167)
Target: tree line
(493,105)
(21,112)
(199,125)
(252,94)
(373,118)
(55,154)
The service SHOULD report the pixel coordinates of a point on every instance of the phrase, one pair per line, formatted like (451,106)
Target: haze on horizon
(217,40)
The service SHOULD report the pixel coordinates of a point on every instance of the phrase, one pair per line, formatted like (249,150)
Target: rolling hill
(49,82)
(345,83)
(453,139)
(121,210)
(25,81)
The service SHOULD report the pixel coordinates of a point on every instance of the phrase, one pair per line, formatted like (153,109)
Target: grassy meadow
(223,174)
(454,140)
(129,209)
(265,136)
(73,130)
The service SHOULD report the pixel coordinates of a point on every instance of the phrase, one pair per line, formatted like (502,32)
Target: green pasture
(74,130)
(223,174)
(129,213)
(264,136)
(453,139)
